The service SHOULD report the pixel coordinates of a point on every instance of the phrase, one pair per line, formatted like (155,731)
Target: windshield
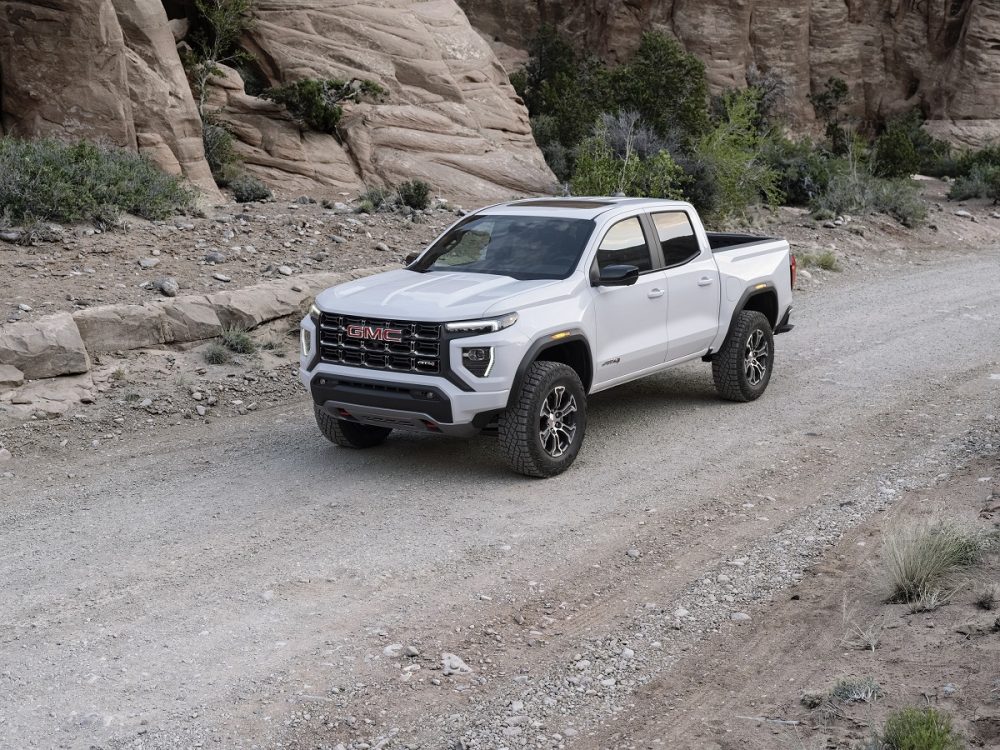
(522,247)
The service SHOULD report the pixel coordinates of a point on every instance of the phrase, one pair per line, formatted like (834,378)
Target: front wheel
(742,368)
(542,430)
(348,434)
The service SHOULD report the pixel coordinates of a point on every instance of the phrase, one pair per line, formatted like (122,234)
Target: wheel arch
(571,348)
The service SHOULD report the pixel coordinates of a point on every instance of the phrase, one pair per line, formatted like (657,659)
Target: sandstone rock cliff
(941,55)
(99,69)
(109,69)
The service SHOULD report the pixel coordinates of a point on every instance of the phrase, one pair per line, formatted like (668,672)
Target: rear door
(631,320)
(692,276)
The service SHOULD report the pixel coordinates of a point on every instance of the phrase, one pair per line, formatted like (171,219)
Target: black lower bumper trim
(422,399)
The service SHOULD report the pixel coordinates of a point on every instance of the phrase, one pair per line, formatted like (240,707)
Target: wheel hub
(557,421)
(755,357)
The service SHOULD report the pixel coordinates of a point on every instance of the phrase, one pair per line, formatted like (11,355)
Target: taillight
(793,264)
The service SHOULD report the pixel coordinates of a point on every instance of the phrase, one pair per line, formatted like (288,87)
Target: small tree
(894,154)
(666,85)
(827,104)
(733,147)
(215,40)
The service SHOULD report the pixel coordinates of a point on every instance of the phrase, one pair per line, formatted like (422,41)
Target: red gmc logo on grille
(375,333)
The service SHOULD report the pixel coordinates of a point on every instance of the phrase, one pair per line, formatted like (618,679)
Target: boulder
(10,377)
(112,328)
(44,348)
(51,397)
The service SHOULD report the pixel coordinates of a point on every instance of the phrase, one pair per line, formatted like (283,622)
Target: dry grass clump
(921,561)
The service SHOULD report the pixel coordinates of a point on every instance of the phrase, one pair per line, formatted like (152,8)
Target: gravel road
(260,588)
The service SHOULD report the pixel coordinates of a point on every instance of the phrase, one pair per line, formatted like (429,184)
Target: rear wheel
(742,368)
(542,431)
(349,434)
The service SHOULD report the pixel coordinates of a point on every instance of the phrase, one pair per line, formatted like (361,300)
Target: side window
(677,237)
(625,245)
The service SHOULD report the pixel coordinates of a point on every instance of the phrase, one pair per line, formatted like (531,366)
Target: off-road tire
(521,426)
(730,365)
(349,434)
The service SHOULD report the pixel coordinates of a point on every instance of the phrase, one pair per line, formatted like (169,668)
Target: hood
(434,297)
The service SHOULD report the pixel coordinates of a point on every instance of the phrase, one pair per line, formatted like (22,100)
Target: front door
(631,320)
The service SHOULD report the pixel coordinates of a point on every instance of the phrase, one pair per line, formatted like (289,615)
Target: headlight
(490,325)
(314,313)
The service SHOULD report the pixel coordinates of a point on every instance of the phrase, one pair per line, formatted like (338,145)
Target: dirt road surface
(256,587)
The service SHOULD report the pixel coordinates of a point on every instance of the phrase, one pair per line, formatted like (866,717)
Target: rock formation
(940,55)
(110,69)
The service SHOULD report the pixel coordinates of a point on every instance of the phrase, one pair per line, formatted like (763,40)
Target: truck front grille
(376,344)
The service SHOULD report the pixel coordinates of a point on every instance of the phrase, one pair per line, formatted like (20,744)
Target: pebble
(285,270)
(338,239)
(197,395)
(382,247)
(681,612)
(147,263)
(201,410)
(739,616)
(215,257)
(628,653)
(393,650)
(964,214)
(24,308)
(5,456)
(453,664)
(633,553)
(222,277)
(949,689)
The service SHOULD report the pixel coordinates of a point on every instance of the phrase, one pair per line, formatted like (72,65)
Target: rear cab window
(676,237)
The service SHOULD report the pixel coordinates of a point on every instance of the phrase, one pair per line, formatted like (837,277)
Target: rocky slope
(895,54)
(110,69)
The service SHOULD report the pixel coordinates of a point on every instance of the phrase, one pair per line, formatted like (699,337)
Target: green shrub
(416,194)
(857,690)
(733,147)
(217,26)
(804,171)
(983,181)
(934,157)
(894,155)
(919,559)
(985,157)
(920,729)
(247,189)
(237,339)
(220,153)
(55,181)
(827,260)
(376,199)
(315,103)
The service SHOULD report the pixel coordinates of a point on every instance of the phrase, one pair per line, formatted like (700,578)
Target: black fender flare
(543,344)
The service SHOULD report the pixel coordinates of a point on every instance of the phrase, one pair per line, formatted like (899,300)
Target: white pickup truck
(518,312)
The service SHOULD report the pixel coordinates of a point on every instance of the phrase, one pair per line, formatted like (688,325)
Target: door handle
(705,281)
(655,293)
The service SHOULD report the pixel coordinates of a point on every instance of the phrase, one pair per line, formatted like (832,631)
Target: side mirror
(618,276)
(410,258)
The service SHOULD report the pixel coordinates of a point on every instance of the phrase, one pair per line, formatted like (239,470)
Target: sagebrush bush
(984,157)
(247,189)
(217,354)
(237,339)
(416,194)
(920,559)
(602,171)
(316,103)
(982,181)
(853,189)
(376,199)
(52,180)
(919,729)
